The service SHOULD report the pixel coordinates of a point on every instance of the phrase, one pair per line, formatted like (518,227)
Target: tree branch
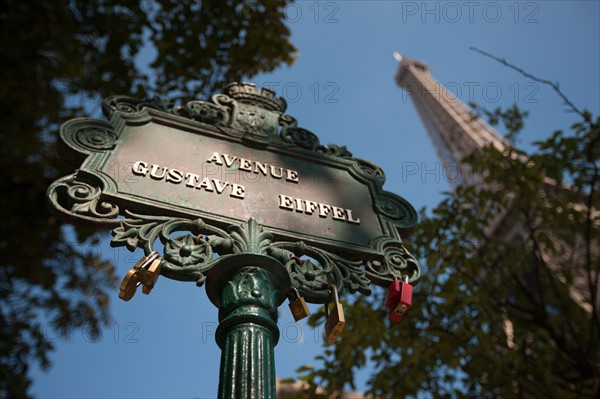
(553,85)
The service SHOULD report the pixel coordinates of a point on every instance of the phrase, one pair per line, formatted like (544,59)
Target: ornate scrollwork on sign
(247,237)
(189,257)
(398,211)
(334,151)
(204,112)
(310,276)
(318,269)
(397,262)
(371,170)
(96,139)
(291,133)
(78,199)
(186,250)
(82,137)
(127,105)
(286,122)
(389,208)
(301,137)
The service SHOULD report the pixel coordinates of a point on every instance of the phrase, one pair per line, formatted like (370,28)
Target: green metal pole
(247,289)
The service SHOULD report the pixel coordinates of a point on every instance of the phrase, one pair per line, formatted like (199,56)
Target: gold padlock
(144,273)
(334,325)
(129,285)
(150,275)
(297,305)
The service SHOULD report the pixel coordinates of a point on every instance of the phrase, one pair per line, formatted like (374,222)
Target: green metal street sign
(235,176)
(225,161)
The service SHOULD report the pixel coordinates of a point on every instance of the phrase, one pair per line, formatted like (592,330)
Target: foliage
(508,305)
(56,57)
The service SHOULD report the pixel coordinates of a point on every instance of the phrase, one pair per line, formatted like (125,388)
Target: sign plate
(225,161)
(217,179)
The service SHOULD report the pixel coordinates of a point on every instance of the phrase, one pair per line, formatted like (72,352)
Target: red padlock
(393,293)
(399,299)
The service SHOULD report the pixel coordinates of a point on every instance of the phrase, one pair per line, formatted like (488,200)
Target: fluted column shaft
(247,288)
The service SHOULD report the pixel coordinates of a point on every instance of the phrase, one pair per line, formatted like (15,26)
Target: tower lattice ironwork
(452,127)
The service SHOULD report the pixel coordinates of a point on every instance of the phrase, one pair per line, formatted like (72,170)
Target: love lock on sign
(335,321)
(399,299)
(144,273)
(298,305)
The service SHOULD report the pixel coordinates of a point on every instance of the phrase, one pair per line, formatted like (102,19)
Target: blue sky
(342,89)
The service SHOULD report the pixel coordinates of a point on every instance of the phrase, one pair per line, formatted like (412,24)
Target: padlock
(393,293)
(334,325)
(297,305)
(144,273)
(399,299)
(128,285)
(150,275)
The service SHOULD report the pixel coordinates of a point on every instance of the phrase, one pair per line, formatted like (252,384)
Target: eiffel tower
(455,134)
(450,124)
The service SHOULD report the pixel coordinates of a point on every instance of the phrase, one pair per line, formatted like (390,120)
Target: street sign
(224,161)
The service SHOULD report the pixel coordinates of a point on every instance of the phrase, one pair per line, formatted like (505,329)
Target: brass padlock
(297,305)
(144,273)
(334,325)
(150,275)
